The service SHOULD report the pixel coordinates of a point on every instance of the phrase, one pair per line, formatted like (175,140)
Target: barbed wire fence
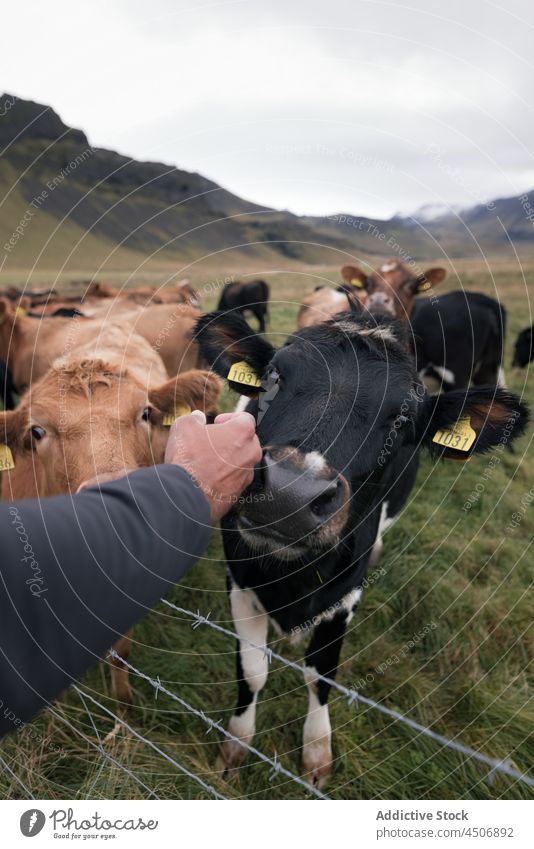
(495,766)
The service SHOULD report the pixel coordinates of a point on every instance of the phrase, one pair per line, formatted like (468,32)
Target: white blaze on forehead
(314,462)
(389,266)
(382,332)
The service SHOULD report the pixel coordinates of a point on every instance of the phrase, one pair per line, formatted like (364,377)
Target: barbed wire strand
(496,766)
(276,766)
(106,756)
(150,743)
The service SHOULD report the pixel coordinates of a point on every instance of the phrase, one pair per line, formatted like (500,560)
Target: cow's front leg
(251,623)
(322,658)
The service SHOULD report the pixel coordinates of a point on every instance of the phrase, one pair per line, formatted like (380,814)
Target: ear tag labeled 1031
(460,437)
(6,458)
(179,411)
(243,373)
(357,283)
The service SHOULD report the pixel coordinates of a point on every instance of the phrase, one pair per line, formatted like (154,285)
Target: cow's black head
(337,406)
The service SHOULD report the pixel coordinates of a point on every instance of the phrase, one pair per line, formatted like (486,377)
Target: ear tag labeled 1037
(460,437)
(179,410)
(241,372)
(6,458)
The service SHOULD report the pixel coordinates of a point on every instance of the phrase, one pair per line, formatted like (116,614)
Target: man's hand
(219,457)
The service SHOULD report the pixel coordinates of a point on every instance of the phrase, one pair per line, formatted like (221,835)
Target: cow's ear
(354,276)
(24,305)
(429,279)
(232,349)
(191,390)
(460,423)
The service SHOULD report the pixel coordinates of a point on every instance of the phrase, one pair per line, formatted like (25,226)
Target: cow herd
(343,412)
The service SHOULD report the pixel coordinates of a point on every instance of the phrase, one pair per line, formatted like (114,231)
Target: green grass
(469,677)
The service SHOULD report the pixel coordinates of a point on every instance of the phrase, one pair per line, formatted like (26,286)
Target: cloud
(313,106)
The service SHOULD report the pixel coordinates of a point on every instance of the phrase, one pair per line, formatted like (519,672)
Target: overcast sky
(317,106)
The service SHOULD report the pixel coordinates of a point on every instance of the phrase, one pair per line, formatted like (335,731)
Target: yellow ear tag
(20,311)
(6,458)
(357,283)
(424,286)
(179,410)
(461,437)
(243,373)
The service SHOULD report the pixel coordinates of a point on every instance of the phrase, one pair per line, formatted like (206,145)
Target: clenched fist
(219,457)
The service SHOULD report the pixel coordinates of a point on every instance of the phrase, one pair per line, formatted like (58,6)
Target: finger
(257,451)
(223,417)
(244,421)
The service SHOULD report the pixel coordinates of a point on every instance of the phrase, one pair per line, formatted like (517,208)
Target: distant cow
(392,288)
(459,338)
(324,303)
(252,296)
(340,414)
(35,296)
(29,346)
(523,351)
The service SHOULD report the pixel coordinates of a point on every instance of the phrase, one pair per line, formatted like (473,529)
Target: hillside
(67,205)
(92,203)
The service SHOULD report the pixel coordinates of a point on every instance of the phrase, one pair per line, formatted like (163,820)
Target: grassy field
(460,576)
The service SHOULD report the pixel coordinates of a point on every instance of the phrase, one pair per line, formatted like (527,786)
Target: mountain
(66,201)
(431,212)
(67,205)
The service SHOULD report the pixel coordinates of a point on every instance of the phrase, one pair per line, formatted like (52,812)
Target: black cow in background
(341,416)
(459,339)
(7,389)
(523,351)
(252,296)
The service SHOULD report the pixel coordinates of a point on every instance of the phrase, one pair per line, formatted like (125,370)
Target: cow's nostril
(322,504)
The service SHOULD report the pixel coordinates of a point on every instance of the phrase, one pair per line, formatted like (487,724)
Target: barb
(213,723)
(496,765)
(167,757)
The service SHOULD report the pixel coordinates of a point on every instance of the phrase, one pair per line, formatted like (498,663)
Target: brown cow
(325,303)
(180,293)
(393,287)
(97,412)
(29,346)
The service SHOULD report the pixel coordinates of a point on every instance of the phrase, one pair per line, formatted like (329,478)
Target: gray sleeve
(77,571)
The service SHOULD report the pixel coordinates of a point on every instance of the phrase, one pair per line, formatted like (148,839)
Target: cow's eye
(147,412)
(37,432)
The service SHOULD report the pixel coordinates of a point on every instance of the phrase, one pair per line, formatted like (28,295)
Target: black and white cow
(459,338)
(252,296)
(341,415)
(524,350)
